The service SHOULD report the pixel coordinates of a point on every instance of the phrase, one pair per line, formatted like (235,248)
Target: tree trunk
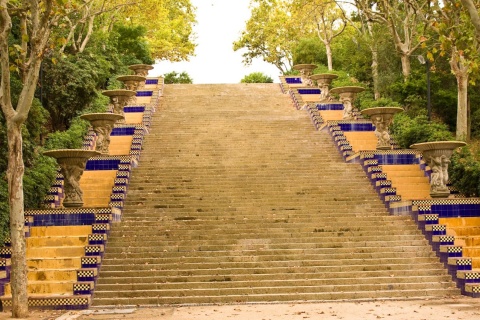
(405,66)
(15,172)
(462,106)
(373,49)
(375,74)
(328,48)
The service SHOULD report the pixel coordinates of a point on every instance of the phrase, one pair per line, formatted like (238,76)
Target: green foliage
(68,139)
(257,77)
(175,77)
(408,131)
(4,208)
(38,180)
(131,44)
(352,53)
(365,100)
(68,87)
(464,172)
(310,50)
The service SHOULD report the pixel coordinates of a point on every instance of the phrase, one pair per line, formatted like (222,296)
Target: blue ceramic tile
(144,93)
(133,109)
(309,91)
(293,80)
(151,81)
(330,106)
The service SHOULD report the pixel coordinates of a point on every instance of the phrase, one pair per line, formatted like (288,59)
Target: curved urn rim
(324,76)
(347,89)
(132,77)
(119,92)
(71,153)
(438,145)
(381,110)
(305,66)
(140,66)
(107,116)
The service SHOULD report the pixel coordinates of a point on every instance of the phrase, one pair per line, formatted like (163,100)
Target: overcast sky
(219,24)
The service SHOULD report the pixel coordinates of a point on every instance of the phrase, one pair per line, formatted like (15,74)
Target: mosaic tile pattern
(91,262)
(99,218)
(151,81)
(146,93)
(309,91)
(77,302)
(83,287)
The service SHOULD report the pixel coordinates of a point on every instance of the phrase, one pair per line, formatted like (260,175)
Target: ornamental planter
(141,69)
(324,81)
(306,71)
(347,95)
(382,118)
(437,155)
(72,164)
(102,124)
(119,99)
(133,82)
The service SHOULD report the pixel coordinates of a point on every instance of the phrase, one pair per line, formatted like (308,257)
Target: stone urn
(382,118)
(437,155)
(102,124)
(119,99)
(72,164)
(141,69)
(306,71)
(324,81)
(133,82)
(347,95)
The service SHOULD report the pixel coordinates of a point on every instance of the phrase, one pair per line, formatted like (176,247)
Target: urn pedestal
(133,82)
(437,155)
(382,118)
(306,71)
(140,69)
(102,124)
(324,81)
(119,99)
(347,95)
(72,164)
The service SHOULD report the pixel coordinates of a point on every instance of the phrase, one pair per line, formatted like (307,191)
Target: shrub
(464,172)
(408,131)
(256,77)
(175,77)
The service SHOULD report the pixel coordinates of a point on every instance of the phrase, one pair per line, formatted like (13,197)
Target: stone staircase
(65,245)
(238,199)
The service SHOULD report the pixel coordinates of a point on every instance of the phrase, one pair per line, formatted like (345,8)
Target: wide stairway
(238,199)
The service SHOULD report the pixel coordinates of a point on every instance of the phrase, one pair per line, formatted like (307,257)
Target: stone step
(323,240)
(236,262)
(294,295)
(311,289)
(464,231)
(227,283)
(243,229)
(52,275)
(45,287)
(269,248)
(54,263)
(52,231)
(241,256)
(54,252)
(157,268)
(57,241)
(170,278)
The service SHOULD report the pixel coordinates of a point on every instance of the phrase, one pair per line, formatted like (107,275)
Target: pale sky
(219,24)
